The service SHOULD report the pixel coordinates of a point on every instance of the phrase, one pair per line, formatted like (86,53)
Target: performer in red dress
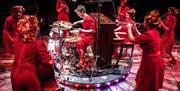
(167,40)
(122,9)
(121,31)
(29,52)
(150,75)
(63,11)
(10,29)
(87,34)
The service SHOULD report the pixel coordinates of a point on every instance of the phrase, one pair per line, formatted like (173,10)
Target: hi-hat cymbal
(53,26)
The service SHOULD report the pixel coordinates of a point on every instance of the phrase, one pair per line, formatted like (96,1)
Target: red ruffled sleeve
(143,38)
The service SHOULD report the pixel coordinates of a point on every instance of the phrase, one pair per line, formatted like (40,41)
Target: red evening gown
(9,31)
(24,76)
(151,72)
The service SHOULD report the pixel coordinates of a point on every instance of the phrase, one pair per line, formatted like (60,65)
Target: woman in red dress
(167,40)
(122,9)
(121,31)
(63,11)
(10,29)
(87,34)
(150,75)
(29,52)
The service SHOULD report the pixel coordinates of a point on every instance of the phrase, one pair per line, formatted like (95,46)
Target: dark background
(46,10)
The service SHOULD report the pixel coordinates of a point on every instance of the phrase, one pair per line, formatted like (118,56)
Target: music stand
(97,55)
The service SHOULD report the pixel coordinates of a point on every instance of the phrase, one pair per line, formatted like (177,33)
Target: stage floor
(172,74)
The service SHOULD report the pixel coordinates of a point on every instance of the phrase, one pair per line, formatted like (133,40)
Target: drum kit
(65,51)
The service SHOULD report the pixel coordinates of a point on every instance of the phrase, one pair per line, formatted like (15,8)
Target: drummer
(86,35)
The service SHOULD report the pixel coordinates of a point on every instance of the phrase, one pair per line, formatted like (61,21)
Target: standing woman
(121,31)
(28,52)
(10,29)
(62,10)
(168,24)
(150,75)
(122,9)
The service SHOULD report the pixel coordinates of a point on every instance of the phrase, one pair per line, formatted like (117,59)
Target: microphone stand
(97,57)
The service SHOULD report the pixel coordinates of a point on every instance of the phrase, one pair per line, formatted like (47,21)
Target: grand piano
(105,37)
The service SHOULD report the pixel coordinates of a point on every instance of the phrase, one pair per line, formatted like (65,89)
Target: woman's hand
(129,26)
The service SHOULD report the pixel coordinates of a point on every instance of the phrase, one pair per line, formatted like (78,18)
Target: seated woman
(86,35)
(121,31)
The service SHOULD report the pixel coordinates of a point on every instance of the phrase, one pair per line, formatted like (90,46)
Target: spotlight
(98,85)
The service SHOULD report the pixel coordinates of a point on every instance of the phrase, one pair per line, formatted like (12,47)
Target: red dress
(167,39)
(62,12)
(24,71)
(124,29)
(87,38)
(122,13)
(9,33)
(151,72)
(121,18)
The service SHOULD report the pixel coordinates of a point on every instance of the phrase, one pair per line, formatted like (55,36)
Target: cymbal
(64,25)
(53,26)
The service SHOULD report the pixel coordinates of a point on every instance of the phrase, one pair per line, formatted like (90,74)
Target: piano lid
(103,19)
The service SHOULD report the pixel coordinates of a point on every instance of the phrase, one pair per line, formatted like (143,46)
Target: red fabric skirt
(150,75)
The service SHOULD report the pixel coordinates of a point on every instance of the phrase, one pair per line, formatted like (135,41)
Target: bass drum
(69,56)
